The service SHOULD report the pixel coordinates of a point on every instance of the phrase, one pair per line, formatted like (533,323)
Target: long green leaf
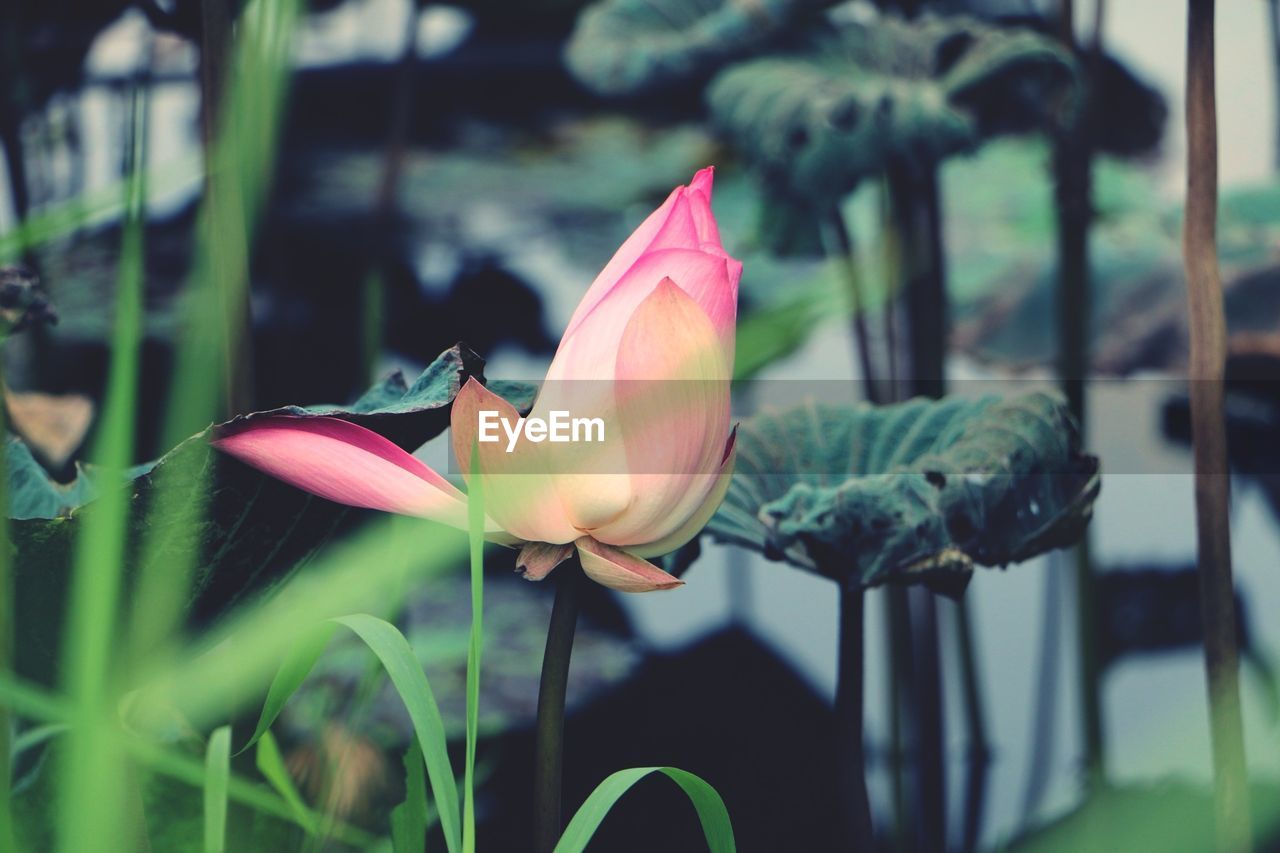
(91,784)
(712,814)
(293,671)
(217,775)
(272,767)
(409,819)
(475,535)
(410,682)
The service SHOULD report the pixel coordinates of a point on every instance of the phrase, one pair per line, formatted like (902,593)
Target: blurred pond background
(444,176)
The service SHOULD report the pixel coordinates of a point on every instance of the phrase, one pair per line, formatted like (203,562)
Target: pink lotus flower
(649,351)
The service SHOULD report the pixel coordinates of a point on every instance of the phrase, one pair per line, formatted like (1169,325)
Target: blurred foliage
(33,495)
(818,122)
(913,492)
(624,46)
(999,217)
(436,622)
(1170,816)
(173,815)
(257,529)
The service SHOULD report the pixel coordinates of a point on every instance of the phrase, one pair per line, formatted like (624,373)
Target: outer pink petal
(634,246)
(683,221)
(518,494)
(619,570)
(700,517)
(345,463)
(673,411)
(590,350)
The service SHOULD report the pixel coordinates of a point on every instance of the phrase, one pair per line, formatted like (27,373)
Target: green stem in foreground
(548,760)
(1209,439)
(7,839)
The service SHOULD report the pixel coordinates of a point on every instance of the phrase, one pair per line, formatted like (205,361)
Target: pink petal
(518,494)
(631,249)
(344,463)
(697,521)
(699,196)
(674,427)
(683,221)
(680,231)
(619,570)
(590,350)
(537,559)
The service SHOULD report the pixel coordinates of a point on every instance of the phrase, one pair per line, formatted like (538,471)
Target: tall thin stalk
(1209,436)
(915,211)
(224,213)
(548,767)
(855,807)
(93,778)
(1073,173)
(844,255)
(7,839)
(979,749)
(1273,19)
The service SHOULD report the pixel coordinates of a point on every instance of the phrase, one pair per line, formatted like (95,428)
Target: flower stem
(548,761)
(1208,431)
(855,808)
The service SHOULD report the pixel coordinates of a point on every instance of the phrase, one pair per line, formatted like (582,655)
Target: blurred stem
(93,785)
(549,736)
(855,807)
(1273,18)
(915,212)
(1073,172)
(393,154)
(224,213)
(979,750)
(901,715)
(1045,713)
(930,741)
(1208,430)
(7,835)
(12,101)
(843,254)
(384,202)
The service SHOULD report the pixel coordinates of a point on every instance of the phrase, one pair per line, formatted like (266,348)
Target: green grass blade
(62,219)
(475,535)
(217,775)
(409,819)
(271,765)
(188,770)
(410,682)
(92,779)
(293,671)
(711,811)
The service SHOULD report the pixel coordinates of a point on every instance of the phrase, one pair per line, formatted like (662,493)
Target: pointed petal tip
(621,570)
(703,180)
